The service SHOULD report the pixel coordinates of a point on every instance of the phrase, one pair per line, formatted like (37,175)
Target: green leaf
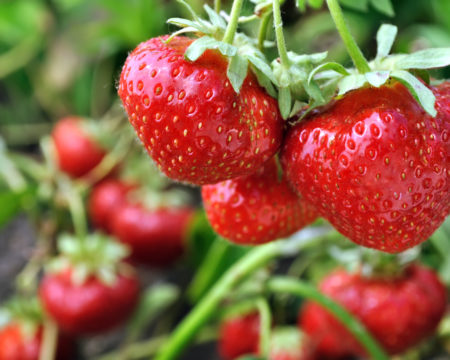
(377,78)
(10,206)
(199,46)
(301,5)
(360,5)
(425,59)
(284,101)
(385,38)
(383,6)
(351,82)
(237,71)
(152,303)
(421,93)
(338,68)
(215,18)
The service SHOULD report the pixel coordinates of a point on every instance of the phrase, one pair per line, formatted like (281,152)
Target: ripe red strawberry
(16,343)
(257,208)
(77,153)
(156,237)
(375,165)
(239,335)
(191,121)
(105,199)
(91,307)
(399,312)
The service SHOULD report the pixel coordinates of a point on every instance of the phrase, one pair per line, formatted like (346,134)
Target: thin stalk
(262,32)
(234,19)
(217,6)
(76,208)
(265,318)
(208,305)
(284,284)
(49,341)
(353,50)
(281,43)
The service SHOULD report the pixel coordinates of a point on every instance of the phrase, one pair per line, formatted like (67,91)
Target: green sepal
(377,78)
(351,82)
(329,66)
(284,101)
(215,18)
(199,46)
(237,71)
(385,39)
(95,255)
(383,6)
(185,23)
(425,59)
(418,90)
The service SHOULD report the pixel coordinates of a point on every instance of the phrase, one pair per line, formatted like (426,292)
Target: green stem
(265,318)
(262,33)
(217,6)
(234,19)
(209,304)
(354,51)
(49,341)
(76,208)
(281,43)
(283,284)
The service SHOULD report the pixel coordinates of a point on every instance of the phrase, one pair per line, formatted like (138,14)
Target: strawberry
(399,311)
(16,343)
(193,124)
(88,289)
(105,199)
(375,165)
(257,208)
(239,335)
(156,237)
(77,153)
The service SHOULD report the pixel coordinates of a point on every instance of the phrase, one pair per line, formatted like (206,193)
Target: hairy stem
(284,284)
(353,50)
(217,6)
(262,33)
(234,19)
(281,43)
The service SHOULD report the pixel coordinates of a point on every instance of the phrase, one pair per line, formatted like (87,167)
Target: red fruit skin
(90,308)
(156,237)
(190,120)
(77,154)
(239,335)
(375,165)
(104,200)
(14,345)
(257,208)
(399,312)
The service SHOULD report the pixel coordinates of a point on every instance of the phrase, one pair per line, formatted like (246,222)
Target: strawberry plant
(256,180)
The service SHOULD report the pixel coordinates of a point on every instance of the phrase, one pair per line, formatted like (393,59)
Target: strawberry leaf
(425,59)
(199,46)
(284,101)
(421,93)
(338,68)
(215,18)
(360,5)
(377,78)
(237,71)
(180,22)
(385,39)
(383,6)
(351,82)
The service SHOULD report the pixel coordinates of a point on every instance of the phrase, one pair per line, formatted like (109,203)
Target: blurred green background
(60,57)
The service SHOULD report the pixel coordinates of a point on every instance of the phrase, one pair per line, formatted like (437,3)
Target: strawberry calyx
(24,312)
(154,200)
(95,254)
(287,340)
(384,69)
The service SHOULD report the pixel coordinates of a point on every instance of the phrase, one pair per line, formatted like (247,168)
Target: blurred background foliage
(60,57)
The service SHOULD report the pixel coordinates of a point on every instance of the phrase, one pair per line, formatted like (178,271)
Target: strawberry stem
(76,208)
(265,317)
(49,341)
(262,32)
(281,43)
(217,6)
(353,50)
(234,19)
(284,284)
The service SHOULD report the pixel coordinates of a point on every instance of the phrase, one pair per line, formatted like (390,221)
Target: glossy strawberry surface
(239,335)
(156,237)
(17,344)
(375,165)
(89,308)
(257,208)
(193,124)
(400,312)
(77,153)
(104,200)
